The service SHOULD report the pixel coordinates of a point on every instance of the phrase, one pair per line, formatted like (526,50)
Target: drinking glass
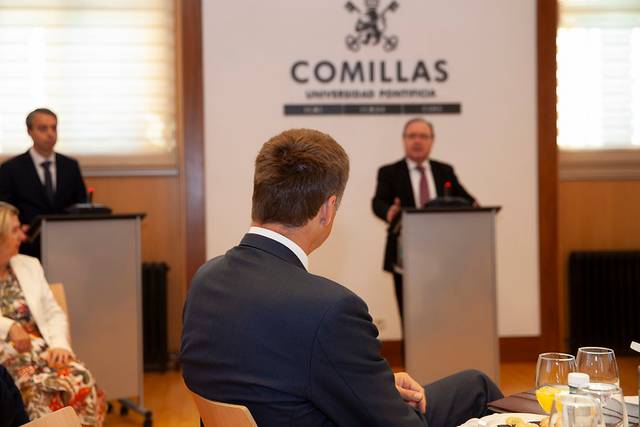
(611,398)
(576,411)
(552,377)
(599,363)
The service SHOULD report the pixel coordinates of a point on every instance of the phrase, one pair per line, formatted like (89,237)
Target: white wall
(489,47)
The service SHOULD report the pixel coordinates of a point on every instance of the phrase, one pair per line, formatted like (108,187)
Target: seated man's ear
(328,209)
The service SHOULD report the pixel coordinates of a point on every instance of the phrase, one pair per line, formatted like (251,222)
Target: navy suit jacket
(295,348)
(12,412)
(394,181)
(21,186)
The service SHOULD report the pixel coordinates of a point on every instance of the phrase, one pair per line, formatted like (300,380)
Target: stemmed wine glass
(552,376)
(599,363)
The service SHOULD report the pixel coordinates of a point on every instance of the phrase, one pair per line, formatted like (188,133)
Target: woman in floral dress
(34,344)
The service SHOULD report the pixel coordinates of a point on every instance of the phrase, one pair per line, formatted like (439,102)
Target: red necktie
(424,187)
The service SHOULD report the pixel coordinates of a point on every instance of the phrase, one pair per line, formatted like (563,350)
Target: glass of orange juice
(552,377)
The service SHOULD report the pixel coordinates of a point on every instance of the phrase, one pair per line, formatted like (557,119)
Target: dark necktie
(424,187)
(48,180)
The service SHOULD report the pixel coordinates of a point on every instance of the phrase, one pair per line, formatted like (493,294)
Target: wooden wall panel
(162,238)
(547,24)
(595,215)
(192,133)
(525,348)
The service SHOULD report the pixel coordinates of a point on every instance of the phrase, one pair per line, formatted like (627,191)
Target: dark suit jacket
(394,181)
(297,349)
(21,186)
(12,412)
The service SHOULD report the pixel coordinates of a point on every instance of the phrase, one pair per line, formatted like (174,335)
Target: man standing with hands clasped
(411,183)
(299,349)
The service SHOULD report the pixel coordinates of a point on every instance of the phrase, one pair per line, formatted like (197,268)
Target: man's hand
(411,391)
(393,209)
(20,338)
(58,357)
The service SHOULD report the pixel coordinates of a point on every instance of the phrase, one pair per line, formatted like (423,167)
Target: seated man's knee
(473,375)
(482,380)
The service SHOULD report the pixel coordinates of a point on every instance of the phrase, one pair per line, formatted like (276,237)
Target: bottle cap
(578,379)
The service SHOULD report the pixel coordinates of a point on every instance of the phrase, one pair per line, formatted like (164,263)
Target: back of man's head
(295,172)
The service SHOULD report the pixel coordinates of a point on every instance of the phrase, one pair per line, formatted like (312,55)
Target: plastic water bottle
(578,381)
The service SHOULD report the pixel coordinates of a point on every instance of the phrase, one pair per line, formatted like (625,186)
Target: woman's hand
(20,338)
(58,357)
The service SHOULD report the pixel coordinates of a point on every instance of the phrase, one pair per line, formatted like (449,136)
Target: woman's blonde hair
(7,210)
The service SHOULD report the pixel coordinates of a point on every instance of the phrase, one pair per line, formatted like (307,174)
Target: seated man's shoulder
(307,290)
(329,285)
(207,268)
(334,294)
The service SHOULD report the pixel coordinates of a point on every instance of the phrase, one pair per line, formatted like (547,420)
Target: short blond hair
(7,210)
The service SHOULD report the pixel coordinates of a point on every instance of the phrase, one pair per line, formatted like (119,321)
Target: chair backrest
(58,293)
(218,414)
(65,417)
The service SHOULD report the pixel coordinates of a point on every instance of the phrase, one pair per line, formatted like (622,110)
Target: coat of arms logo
(371,26)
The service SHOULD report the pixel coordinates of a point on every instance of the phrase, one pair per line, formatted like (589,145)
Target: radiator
(604,300)
(154,315)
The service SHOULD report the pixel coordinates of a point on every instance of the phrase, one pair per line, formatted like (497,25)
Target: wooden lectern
(449,275)
(97,258)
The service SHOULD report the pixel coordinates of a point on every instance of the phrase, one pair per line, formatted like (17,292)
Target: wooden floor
(168,398)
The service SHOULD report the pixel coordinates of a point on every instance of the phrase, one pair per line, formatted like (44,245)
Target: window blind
(599,74)
(106,67)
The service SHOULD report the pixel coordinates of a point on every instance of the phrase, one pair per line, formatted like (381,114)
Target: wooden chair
(65,417)
(218,414)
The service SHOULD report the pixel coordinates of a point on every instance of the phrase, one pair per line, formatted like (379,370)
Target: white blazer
(46,312)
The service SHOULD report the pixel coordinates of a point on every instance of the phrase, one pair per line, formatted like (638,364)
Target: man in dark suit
(296,348)
(41,181)
(411,183)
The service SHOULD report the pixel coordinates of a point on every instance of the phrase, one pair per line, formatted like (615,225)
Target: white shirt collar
(38,158)
(412,165)
(297,250)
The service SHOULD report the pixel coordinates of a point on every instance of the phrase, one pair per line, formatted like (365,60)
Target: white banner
(358,70)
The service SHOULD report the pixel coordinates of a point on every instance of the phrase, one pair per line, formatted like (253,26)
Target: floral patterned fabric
(45,389)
